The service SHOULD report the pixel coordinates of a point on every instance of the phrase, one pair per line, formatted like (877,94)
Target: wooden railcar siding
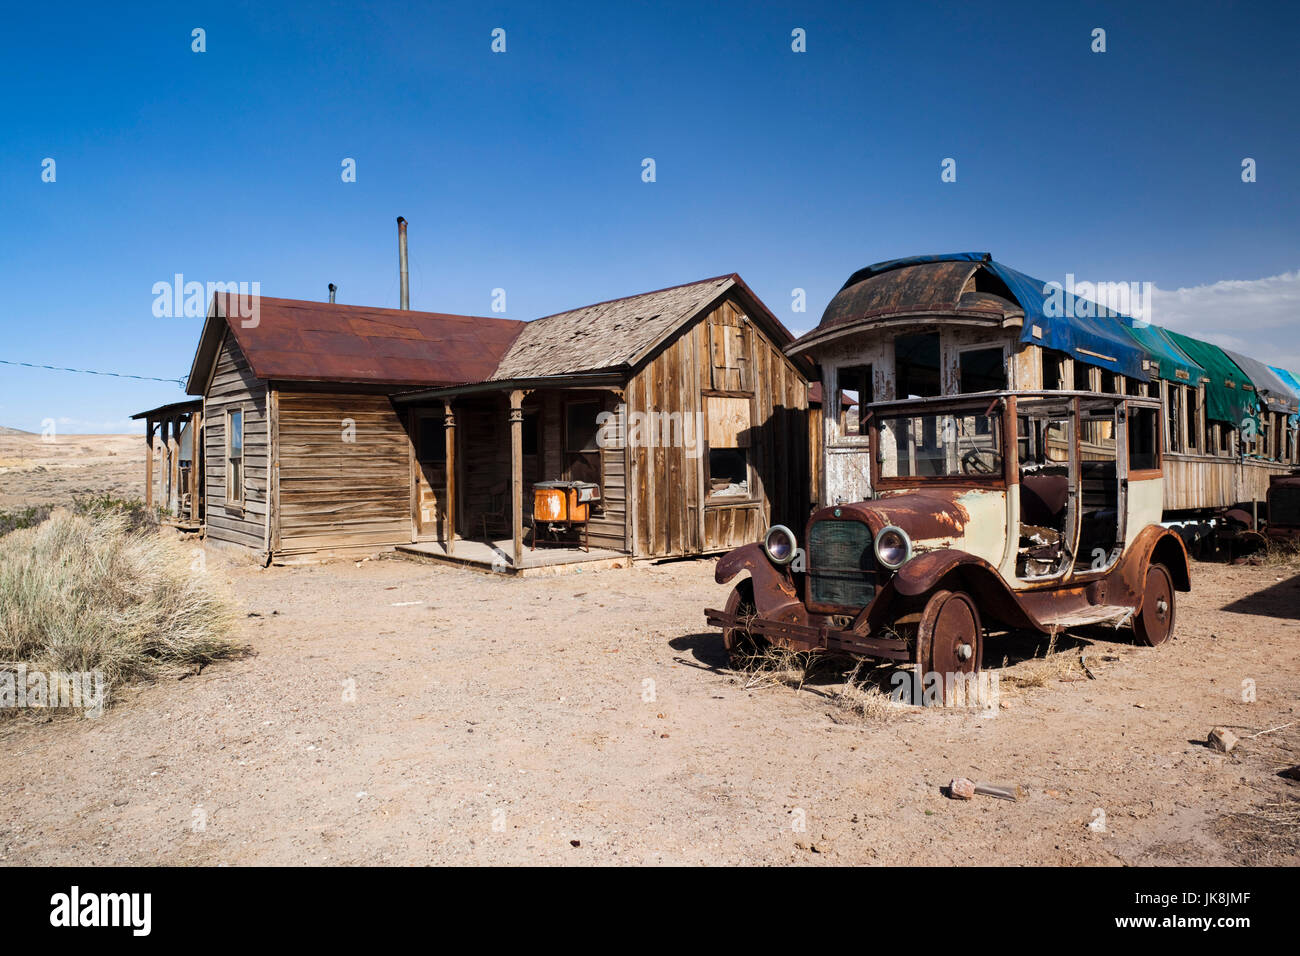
(234,386)
(336,493)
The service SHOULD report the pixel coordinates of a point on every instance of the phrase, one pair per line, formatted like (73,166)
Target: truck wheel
(949,641)
(1154,621)
(741,645)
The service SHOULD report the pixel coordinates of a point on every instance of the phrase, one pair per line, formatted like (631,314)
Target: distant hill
(5,430)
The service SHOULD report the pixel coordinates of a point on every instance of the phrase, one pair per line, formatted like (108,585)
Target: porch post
(148,464)
(196,427)
(517,473)
(174,467)
(449,427)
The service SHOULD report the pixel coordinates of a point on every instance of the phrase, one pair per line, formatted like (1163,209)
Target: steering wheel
(975,462)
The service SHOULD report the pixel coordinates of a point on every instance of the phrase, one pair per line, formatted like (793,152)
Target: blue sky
(522,170)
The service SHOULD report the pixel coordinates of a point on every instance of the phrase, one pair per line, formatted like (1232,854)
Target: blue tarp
(1060,321)
(1292,380)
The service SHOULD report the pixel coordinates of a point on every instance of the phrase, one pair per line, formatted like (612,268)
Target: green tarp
(1229,395)
(1171,364)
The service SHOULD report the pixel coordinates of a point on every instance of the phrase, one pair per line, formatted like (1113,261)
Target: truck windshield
(940,445)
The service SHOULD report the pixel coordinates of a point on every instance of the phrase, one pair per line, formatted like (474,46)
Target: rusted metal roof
(294,340)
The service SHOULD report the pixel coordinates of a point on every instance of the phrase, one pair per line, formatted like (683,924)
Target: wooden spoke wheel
(739,642)
(949,641)
(1153,624)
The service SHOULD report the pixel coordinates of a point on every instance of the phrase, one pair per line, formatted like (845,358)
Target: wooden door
(429,436)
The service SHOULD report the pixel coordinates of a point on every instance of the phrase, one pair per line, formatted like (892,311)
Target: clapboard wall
(344,473)
(233,386)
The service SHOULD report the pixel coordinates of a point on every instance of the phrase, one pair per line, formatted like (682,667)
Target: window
(1052,371)
(1082,377)
(982,370)
(1143,447)
(1173,427)
(582,453)
(941,445)
(530,428)
(729,441)
(235,456)
(1193,418)
(856,393)
(431,440)
(916,365)
(580,430)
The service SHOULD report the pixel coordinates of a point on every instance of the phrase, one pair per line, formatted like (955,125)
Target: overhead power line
(87,371)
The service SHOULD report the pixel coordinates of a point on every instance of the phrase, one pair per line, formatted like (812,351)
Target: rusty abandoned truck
(1032,509)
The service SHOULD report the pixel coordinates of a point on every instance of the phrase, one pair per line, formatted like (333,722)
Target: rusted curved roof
(927,287)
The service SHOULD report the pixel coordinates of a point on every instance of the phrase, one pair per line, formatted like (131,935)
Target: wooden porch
(476,455)
(497,557)
(173,477)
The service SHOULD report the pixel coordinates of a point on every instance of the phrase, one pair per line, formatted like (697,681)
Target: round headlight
(893,547)
(779,544)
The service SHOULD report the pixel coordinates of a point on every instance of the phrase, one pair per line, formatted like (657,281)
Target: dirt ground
(395,713)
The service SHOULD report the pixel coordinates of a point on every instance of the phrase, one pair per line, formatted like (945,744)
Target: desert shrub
(28,517)
(84,592)
(138,515)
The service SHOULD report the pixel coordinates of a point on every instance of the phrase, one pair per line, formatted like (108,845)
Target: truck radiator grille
(841,564)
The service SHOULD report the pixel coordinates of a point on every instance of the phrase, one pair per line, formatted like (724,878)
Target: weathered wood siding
(344,473)
(1204,482)
(724,356)
(233,386)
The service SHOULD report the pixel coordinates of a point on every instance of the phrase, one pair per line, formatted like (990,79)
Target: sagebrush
(85,591)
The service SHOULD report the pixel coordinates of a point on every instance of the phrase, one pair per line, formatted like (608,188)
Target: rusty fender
(1154,544)
(775,595)
(977,577)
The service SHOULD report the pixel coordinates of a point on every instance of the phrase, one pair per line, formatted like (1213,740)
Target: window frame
(239,501)
(751,496)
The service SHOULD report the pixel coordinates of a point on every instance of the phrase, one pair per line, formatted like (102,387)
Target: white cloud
(1257,317)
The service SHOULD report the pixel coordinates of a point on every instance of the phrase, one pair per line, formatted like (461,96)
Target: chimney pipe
(333,289)
(401,257)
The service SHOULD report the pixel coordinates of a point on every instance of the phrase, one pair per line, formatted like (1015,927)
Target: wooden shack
(336,430)
(679,404)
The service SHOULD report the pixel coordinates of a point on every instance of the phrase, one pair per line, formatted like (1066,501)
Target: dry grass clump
(1269,833)
(775,665)
(83,592)
(1040,671)
(1282,554)
(864,699)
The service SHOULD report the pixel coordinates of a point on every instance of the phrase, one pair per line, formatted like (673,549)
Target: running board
(1115,614)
